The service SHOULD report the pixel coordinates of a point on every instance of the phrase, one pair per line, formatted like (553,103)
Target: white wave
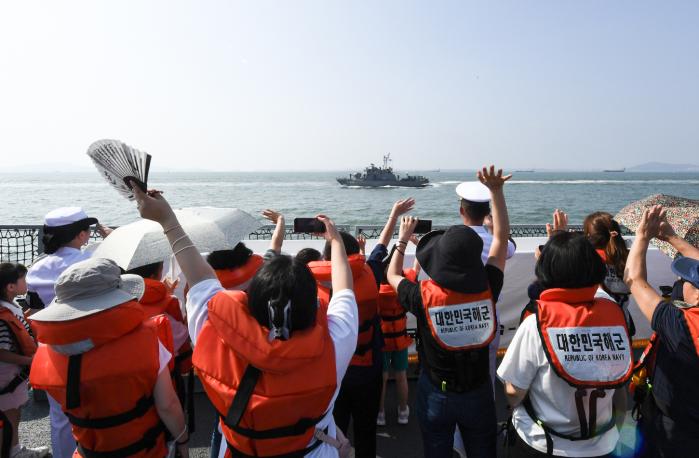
(449,182)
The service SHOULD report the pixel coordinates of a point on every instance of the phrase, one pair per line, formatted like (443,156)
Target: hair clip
(283,331)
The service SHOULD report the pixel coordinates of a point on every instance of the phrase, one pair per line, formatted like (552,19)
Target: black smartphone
(308,225)
(423,226)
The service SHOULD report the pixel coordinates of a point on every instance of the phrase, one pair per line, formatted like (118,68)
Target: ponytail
(605,234)
(60,236)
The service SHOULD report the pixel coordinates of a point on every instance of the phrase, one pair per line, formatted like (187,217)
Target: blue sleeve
(377,255)
(668,321)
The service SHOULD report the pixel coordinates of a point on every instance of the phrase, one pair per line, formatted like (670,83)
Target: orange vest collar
(232,278)
(155,292)
(321,269)
(569,295)
(229,315)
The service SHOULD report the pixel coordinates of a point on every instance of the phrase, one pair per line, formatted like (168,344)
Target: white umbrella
(210,229)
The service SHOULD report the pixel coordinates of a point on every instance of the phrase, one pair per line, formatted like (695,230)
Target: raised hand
(361,240)
(152,205)
(650,223)
(665,231)
(559,223)
(414,239)
(402,207)
(331,232)
(272,215)
(492,179)
(407,227)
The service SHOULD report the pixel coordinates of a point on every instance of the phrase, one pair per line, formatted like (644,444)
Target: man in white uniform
(474,209)
(66,231)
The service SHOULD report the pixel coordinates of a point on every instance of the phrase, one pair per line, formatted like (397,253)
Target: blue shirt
(676,372)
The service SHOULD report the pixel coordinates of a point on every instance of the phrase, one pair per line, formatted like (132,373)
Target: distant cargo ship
(376,177)
(614,170)
(525,171)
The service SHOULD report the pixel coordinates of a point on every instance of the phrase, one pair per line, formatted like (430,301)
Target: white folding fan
(118,163)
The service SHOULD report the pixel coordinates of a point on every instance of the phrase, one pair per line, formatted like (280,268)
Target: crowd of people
(291,350)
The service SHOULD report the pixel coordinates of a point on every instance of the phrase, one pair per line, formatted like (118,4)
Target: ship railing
(23,243)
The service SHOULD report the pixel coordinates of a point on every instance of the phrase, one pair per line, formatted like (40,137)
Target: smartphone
(423,226)
(308,225)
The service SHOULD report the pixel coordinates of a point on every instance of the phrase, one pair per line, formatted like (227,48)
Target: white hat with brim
(90,287)
(474,191)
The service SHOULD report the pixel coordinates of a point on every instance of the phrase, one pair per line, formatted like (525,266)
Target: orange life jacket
(157,300)
(367,295)
(107,390)
(26,346)
(25,342)
(393,320)
(587,343)
(288,384)
(458,321)
(585,338)
(239,277)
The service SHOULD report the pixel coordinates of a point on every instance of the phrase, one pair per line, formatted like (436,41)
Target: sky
(329,85)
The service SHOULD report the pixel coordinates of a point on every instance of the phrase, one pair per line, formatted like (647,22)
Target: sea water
(531,197)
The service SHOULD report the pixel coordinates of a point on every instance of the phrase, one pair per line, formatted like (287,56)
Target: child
(17,348)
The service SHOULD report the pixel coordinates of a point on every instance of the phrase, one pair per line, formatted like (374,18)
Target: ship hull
(382,183)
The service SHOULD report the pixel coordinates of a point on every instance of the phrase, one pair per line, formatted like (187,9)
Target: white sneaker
(381,419)
(403,415)
(24,452)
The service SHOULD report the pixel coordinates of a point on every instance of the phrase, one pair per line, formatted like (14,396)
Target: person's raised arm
(278,236)
(559,223)
(400,208)
(339,266)
(153,206)
(394,274)
(501,222)
(635,274)
(667,233)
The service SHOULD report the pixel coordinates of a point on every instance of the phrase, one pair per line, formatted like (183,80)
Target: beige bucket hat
(89,287)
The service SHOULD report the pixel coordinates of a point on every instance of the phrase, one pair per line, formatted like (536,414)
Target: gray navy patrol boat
(376,177)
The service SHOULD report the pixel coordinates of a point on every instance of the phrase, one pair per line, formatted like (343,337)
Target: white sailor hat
(67,215)
(473,191)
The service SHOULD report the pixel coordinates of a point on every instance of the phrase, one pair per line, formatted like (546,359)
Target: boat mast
(386,160)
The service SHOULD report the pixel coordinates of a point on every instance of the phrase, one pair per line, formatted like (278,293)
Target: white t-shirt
(343,323)
(487,238)
(526,367)
(43,274)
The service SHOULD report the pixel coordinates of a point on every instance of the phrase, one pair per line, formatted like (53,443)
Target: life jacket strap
(242,396)
(235,453)
(366,325)
(588,430)
(73,381)
(395,335)
(240,403)
(147,442)
(15,382)
(142,407)
(394,317)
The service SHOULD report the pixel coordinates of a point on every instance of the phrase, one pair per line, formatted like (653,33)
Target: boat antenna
(386,160)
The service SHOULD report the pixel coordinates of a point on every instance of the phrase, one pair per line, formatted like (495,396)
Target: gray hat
(89,287)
